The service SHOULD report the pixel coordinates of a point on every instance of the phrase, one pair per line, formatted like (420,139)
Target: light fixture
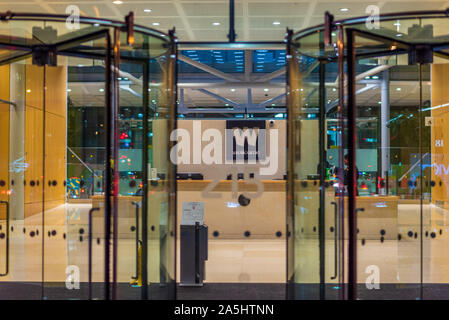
(96,24)
(117,2)
(147,10)
(276,23)
(398,89)
(28,91)
(216,23)
(69,90)
(399,35)
(156,23)
(101,90)
(232,90)
(266,89)
(344,9)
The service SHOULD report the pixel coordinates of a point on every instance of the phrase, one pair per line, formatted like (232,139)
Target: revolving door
(86,111)
(367,209)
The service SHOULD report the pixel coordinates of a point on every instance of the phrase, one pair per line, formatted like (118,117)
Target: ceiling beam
(208,69)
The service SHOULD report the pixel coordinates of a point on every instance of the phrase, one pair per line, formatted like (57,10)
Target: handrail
(413,167)
(8,102)
(90,250)
(82,162)
(7,239)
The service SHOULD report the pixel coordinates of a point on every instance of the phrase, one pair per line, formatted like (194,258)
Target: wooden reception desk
(265,216)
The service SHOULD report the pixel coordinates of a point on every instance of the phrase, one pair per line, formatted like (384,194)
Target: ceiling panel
(91,10)
(413,5)
(276,8)
(195,15)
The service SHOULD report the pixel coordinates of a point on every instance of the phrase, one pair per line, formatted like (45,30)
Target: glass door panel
(146,216)
(313,210)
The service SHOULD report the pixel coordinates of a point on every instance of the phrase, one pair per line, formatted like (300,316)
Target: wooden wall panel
(55,157)
(4,138)
(55,138)
(440,134)
(33,154)
(56,96)
(34,76)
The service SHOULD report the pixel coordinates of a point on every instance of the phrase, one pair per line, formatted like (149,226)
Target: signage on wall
(245,140)
(192,212)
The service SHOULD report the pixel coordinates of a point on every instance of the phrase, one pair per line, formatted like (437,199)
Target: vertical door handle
(7,239)
(136,204)
(90,250)
(335,241)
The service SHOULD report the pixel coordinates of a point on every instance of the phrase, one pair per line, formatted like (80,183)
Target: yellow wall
(54,112)
(4,137)
(440,154)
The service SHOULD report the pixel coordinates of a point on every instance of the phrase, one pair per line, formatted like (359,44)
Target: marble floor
(51,248)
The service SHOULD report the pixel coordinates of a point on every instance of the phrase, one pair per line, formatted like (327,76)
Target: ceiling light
(101,90)
(344,9)
(69,90)
(96,24)
(266,89)
(398,89)
(147,10)
(276,23)
(232,89)
(216,23)
(399,35)
(156,23)
(117,2)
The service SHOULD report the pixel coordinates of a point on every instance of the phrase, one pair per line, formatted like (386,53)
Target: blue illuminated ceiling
(233,61)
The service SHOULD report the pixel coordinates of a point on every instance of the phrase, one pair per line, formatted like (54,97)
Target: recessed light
(28,90)
(398,89)
(266,89)
(156,23)
(216,23)
(399,35)
(147,10)
(101,90)
(96,24)
(344,9)
(69,90)
(232,89)
(117,2)
(276,23)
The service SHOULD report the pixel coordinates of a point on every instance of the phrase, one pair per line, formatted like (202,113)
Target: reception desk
(264,217)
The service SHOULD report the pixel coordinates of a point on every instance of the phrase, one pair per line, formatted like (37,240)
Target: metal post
(322,174)
(352,184)
(108,169)
(340,174)
(145,141)
(384,130)
(231,35)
